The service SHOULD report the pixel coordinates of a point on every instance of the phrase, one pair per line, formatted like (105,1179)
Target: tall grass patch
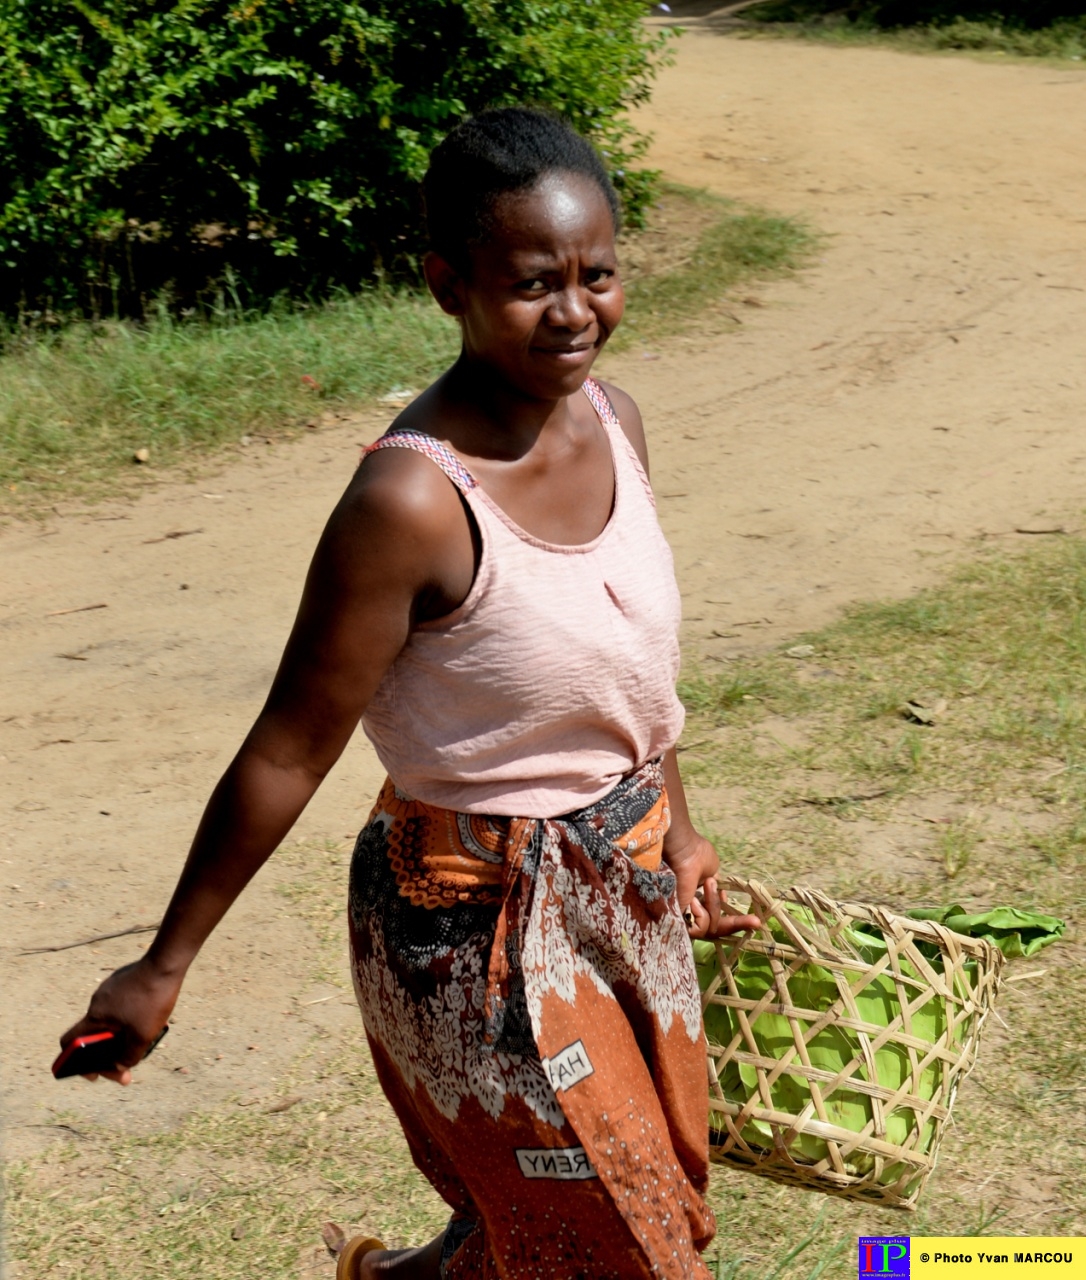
(76,406)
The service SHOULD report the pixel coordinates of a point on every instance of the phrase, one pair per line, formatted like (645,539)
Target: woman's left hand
(710,917)
(695,864)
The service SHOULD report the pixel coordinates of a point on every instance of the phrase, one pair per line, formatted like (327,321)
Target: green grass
(1063,39)
(1003,644)
(239,1192)
(714,697)
(735,247)
(75,406)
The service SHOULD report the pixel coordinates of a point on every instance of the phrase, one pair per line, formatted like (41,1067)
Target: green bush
(167,146)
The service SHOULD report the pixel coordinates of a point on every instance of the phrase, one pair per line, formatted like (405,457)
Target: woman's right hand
(134,1002)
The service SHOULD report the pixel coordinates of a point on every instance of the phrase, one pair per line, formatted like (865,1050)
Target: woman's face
(543,293)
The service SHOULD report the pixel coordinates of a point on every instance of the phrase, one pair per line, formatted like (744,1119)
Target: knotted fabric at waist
(441,857)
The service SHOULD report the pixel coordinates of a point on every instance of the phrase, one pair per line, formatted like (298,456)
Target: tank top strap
(433,449)
(620,441)
(601,402)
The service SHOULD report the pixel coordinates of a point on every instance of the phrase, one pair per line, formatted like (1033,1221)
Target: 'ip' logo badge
(884,1257)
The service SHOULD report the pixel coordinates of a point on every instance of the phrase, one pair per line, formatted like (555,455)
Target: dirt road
(920,387)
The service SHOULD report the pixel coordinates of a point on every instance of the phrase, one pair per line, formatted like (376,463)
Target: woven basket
(835,1053)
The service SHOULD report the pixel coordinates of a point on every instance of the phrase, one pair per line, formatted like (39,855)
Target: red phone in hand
(93,1054)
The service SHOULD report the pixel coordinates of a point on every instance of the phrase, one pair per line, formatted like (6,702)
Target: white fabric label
(562,1163)
(568,1067)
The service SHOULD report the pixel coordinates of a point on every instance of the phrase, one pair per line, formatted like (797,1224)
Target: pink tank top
(556,676)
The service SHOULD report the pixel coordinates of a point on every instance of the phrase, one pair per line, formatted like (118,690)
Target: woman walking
(494,599)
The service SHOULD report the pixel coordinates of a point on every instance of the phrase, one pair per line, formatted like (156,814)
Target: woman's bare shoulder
(403,490)
(399,517)
(629,416)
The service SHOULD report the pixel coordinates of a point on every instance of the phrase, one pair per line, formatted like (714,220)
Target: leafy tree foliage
(151,146)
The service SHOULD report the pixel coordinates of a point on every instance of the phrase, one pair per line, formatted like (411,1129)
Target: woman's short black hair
(497,151)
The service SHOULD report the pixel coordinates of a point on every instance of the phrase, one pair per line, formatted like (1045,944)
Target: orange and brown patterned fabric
(529,994)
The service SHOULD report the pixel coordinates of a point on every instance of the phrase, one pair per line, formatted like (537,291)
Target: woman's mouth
(571,354)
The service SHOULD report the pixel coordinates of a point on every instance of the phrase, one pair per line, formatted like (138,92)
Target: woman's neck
(494,419)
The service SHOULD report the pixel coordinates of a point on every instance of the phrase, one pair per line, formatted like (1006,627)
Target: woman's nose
(570,309)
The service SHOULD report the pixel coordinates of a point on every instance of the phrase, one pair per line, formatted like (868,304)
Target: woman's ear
(445,283)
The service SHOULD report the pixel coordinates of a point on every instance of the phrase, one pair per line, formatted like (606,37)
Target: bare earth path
(920,387)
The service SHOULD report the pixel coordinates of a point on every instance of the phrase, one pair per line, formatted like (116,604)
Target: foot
(378,1263)
(351,1261)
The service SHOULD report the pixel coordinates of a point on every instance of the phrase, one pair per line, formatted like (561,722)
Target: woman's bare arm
(695,863)
(396,549)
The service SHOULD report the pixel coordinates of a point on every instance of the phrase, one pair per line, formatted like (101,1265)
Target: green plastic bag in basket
(831,1049)
(838,1034)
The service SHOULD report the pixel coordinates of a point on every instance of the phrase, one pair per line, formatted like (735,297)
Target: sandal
(349,1262)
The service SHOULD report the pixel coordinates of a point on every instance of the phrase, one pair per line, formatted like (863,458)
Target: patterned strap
(433,449)
(601,402)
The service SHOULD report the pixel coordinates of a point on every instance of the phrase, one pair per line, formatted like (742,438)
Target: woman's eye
(600,276)
(534,285)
